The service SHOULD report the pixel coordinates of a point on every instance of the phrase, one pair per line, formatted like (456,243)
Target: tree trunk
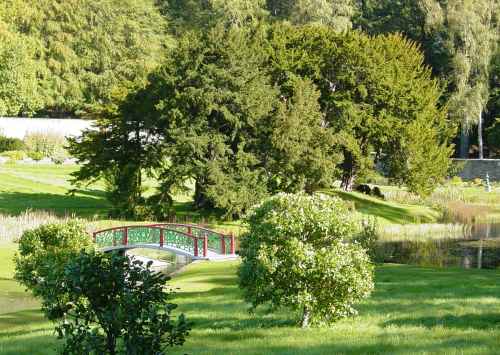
(480,135)
(306,316)
(464,142)
(200,198)
(349,172)
(348,182)
(111,344)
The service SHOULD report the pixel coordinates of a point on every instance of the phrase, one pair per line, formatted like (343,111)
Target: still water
(478,248)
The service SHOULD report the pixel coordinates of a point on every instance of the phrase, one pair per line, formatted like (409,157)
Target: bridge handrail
(164,227)
(194,226)
(154,226)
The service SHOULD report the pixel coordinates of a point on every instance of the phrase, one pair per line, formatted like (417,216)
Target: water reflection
(163,261)
(478,248)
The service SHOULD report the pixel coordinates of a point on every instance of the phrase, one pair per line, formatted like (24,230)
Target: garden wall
(475,168)
(19,127)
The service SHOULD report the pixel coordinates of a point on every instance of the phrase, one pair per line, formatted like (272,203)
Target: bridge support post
(94,235)
(205,245)
(161,238)
(232,243)
(125,236)
(223,245)
(195,246)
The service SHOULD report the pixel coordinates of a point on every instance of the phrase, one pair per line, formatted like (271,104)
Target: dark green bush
(115,305)
(9,144)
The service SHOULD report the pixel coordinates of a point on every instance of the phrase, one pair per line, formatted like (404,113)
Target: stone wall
(19,127)
(475,168)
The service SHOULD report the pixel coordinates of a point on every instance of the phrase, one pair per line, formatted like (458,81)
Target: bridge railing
(218,242)
(190,238)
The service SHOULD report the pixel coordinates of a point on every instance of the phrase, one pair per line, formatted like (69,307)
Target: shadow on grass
(467,321)
(81,204)
(405,297)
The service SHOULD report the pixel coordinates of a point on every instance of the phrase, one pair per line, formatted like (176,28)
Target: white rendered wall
(19,127)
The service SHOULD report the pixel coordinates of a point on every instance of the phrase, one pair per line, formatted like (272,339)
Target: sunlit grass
(412,311)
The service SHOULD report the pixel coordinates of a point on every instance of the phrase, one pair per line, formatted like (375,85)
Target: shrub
(37,156)
(42,256)
(14,155)
(298,252)
(378,193)
(47,144)
(365,189)
(456,181)
(368,237)
(59,156)
(112,301)
(493,137)
(10,144)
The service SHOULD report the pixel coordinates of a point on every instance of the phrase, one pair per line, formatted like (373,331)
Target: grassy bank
(46,187)
(413,311)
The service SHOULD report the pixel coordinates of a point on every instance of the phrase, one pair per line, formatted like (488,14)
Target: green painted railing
(193,239)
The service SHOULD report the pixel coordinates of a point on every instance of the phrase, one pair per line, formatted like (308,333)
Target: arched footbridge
(189,240)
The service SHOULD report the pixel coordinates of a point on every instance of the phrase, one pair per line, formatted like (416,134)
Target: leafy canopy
(42,256)
(76,53)
(298,252)
(117,305)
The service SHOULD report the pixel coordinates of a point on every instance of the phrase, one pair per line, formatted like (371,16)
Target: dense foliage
(9,144)
(378,99)
(127,311)
(42,257)
(494,137)
(62,57)
(299,252)
(248,112)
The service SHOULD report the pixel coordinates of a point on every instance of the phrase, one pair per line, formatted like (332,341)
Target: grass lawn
(389,212)
(45,187)
(413,311)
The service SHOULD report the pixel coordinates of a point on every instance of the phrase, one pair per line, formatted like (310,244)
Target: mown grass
(412,311)
(388,212)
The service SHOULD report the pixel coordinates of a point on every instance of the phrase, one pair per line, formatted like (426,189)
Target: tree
(212,115)
(335,13)
(189,15)
(493,137)
(113,150)
(42,256)
(473,34)
(87,49)
(18,74)
(372,90)
(298,252)
(117,305)
(459,38)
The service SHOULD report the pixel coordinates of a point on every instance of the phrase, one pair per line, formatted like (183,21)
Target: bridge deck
(211,255)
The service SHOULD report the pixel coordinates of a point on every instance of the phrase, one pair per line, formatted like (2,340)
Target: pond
(163,261)
(479,247)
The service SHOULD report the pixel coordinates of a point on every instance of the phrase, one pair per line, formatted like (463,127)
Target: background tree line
(216,92)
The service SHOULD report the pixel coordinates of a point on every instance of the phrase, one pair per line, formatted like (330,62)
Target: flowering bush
(299,252)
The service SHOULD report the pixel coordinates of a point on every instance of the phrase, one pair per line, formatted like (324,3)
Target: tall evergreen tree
(373,90)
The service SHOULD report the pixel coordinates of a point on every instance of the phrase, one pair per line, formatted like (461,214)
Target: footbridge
(190,240)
